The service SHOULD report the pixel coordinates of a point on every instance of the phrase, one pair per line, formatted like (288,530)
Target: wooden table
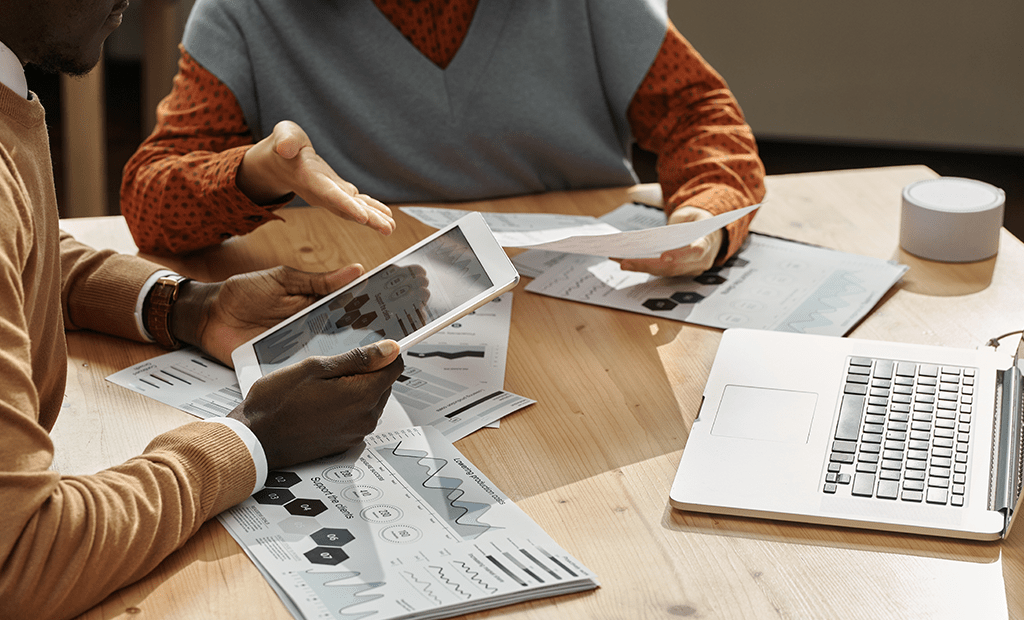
(593,460)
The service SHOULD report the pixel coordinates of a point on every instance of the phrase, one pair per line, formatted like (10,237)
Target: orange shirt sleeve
(178,190)
(685,113)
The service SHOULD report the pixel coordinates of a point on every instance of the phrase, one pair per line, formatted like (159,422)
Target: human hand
(691,260)
(219,317)
(285,162)
(321,405)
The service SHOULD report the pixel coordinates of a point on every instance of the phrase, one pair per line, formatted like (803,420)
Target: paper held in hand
(582,234)
(649,243)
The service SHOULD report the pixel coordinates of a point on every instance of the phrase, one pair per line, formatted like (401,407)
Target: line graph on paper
(787,286)
(840,291)
(443,493)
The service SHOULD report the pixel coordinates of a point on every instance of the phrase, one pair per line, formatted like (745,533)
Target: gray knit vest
(535,99)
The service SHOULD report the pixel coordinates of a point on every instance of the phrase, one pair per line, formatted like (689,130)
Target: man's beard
(65,61)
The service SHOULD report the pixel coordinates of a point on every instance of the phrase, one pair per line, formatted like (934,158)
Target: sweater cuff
(259,457)
(121,277)
(216,460)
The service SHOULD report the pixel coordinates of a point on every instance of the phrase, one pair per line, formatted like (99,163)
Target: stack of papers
(401,527)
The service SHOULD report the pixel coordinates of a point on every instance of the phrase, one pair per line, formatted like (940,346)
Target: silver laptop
(858,433)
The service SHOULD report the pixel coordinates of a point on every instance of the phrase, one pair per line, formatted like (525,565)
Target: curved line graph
(443,494)
(474,577)
(331,587)
(828,299)
(425,587)
(454,586)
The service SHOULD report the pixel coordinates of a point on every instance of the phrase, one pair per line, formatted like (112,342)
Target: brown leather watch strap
(157,309)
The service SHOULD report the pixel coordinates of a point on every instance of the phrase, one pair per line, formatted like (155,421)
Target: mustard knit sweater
(66,542)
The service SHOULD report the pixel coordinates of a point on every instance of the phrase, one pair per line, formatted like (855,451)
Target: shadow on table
(833,536)
(944,279)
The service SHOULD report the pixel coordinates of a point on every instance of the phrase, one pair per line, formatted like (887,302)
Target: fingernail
(666,259)
(387,347)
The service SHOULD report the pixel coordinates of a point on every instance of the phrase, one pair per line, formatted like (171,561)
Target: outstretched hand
(691,260)
(285,162)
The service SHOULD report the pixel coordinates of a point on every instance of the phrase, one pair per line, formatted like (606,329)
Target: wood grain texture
(593,460)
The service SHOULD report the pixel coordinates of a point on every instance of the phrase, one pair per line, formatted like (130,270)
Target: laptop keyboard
(903,432)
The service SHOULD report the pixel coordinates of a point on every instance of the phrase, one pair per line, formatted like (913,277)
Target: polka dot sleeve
(707,156)
(178,190)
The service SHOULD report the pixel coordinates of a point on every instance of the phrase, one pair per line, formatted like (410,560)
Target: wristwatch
(157,309)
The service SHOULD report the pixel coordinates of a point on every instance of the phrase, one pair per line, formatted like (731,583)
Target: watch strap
(157,310)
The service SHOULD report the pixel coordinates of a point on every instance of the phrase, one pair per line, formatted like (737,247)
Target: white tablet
(422,290)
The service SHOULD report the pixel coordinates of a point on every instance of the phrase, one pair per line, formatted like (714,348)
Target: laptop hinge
(1006,475)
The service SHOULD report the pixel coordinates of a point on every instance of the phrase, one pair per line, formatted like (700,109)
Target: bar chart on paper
(186,379)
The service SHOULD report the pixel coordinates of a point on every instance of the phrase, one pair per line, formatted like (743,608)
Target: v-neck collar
(458,80)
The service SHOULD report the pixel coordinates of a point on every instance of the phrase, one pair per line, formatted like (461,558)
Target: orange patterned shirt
(683,112)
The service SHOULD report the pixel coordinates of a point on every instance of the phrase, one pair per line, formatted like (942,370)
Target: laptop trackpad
(765,414)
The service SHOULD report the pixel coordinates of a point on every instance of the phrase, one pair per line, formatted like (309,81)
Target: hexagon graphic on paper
(709,278)
(332,537)
(273,497)
(330,556)
(282,479)
(687,297)
(660,304)
(305,507)
(294,529)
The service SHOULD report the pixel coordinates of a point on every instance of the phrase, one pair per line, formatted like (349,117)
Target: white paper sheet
(770,284)
(453,380)
(401,527)
(525,230)
(648,243)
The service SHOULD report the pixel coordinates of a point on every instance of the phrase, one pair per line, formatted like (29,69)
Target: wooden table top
(593,460)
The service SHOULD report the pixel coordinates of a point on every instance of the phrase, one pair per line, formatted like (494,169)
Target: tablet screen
(391,303)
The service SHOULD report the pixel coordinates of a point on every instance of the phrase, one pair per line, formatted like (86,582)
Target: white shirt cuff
(259,457)
(139,322)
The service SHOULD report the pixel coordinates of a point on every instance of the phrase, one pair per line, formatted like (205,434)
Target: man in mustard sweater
(115,526)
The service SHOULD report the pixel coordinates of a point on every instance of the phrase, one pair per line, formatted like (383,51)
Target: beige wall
(913,72)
